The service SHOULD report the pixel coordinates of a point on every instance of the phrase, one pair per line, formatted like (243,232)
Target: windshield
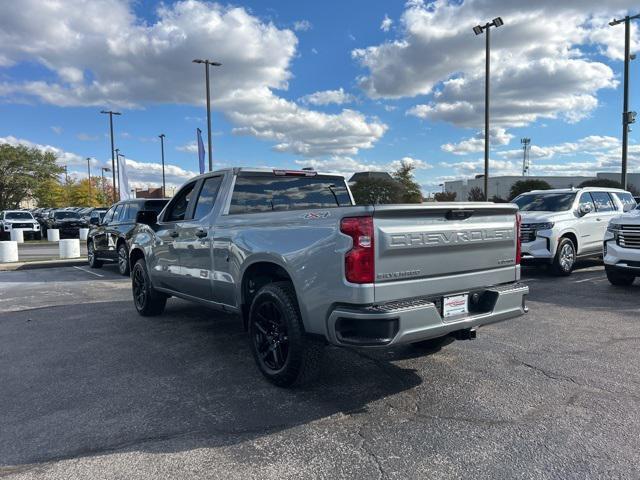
(18,216)
(545,202)
(65,215)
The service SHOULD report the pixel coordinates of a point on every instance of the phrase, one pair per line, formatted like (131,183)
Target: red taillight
(518,239)
(359,263)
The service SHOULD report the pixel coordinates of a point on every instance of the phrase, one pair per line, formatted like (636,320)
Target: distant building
(369,175)
(149,193)
(500,186)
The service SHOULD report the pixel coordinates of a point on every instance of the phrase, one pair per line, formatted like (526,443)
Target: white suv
(622,248)
(559,226)
(10,219)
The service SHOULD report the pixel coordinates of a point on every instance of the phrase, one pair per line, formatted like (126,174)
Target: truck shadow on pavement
(96,378)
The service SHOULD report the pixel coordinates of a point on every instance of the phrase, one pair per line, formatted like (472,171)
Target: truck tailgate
(441,248)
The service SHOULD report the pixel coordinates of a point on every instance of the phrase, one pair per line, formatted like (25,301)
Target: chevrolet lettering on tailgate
(433,239)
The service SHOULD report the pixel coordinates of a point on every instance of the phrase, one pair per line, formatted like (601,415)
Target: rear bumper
(418,319)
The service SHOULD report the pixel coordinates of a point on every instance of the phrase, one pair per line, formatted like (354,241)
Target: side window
(585,199)
(626,199)
(132,211)
(117,213)
(207,196)
(603,202)
(179,205)
(109,215)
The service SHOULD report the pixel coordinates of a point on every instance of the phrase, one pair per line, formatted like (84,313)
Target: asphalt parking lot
(91,390)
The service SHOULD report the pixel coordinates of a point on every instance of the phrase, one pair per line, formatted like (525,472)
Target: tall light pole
(496,22)
(104,191)
(117,173)
(89,174)
(162,151)
(206,69)
(526,142)
(113,161)
(627,116)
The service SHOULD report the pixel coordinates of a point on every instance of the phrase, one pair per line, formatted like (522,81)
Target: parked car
(560,226)
(95,213)
(291,253)
(10,219)
(108,239)
(622,248)
(67,221)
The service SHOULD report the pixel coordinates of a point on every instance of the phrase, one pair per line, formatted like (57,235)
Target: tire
(147,300)
(123,260)
(619,279)
(91,256)
(284,353)
(565,258)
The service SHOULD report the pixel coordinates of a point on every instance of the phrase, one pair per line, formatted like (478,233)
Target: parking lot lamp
(113,161)
(206,70)
(104,191)
(478,29)
(627,116)
(162,135)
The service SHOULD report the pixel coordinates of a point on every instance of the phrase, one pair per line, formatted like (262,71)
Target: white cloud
(141,174)
(326,97)
(538,69)
(302,25)
(191,147)
(591,145)
(85,137)
(347,166)
(141,63)
(56,129)
(386,24)
(497,136)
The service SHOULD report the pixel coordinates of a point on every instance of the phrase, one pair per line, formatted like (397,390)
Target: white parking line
(88,271)
(588,279)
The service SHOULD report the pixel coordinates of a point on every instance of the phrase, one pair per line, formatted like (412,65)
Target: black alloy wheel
(284,353)
(147,300)
(270,336)
(123,260)
(91,256)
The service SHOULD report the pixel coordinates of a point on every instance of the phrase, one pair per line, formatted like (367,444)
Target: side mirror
(94,221)
(147,217)
(585,208)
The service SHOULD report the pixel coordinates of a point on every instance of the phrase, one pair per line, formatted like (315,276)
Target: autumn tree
(411,189)
(22,170)
(376,190)
(445,196)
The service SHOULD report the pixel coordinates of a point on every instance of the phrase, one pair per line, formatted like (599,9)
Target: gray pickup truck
(303,266)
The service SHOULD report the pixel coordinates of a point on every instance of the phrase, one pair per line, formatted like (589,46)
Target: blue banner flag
(200,150)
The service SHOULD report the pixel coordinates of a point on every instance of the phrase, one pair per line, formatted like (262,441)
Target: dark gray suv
(108,240)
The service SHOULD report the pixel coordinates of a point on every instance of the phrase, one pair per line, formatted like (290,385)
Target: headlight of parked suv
(543,226)
(613,228)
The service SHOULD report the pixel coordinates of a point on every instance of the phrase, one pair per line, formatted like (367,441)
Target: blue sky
(341,86)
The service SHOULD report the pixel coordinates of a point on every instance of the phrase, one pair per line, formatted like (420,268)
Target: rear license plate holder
(455,306)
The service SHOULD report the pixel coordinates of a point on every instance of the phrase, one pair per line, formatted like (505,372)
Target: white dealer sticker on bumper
(455,305)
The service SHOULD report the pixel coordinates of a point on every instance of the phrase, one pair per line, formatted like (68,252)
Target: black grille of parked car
(629,236)
(527,232)
(22,225)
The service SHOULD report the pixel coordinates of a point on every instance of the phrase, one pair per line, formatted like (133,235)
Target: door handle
(598,219)
(201,233)
(174,234)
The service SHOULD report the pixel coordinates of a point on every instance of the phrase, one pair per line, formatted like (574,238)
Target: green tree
(600,182)
(476,194)
(404,176)
(523,186)
(22,169)
(445,196)
(375,191)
